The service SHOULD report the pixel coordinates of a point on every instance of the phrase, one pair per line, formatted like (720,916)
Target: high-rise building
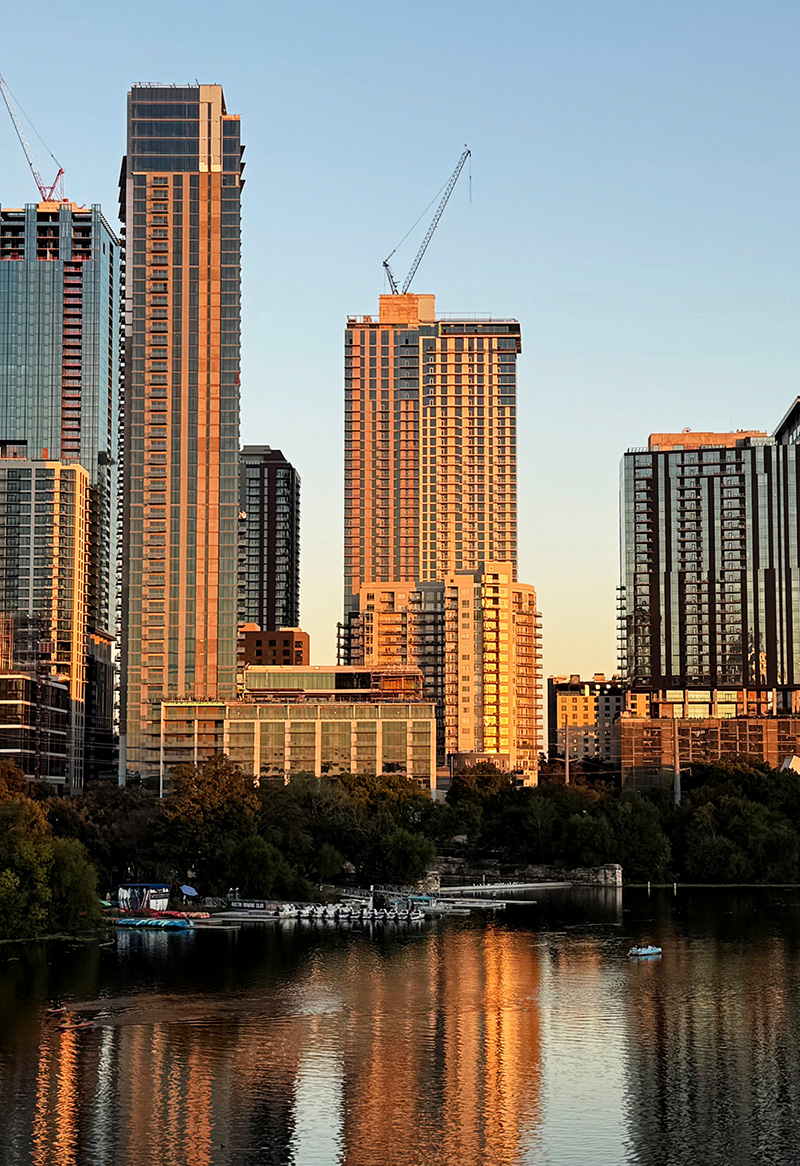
(45,562)
(60,287)
(180,192)
(475,636)
(269,499)
(710,587)
(430,444)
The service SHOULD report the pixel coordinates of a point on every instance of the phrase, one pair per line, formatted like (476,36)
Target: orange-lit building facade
(180,193)
(476,638)
(430,444)
(45,585)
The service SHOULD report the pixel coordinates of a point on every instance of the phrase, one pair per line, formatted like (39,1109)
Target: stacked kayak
(149,922)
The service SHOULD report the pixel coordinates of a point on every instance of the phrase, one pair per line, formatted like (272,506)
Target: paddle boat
(647,949)
(150,922)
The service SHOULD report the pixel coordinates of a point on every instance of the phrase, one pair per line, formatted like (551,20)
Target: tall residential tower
(269,498)
(710,587)
(430,444)
(180,192)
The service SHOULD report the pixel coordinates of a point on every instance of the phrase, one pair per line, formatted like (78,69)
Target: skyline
(638,221)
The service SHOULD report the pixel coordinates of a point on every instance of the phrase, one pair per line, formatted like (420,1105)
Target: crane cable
(19,109)
(411,228)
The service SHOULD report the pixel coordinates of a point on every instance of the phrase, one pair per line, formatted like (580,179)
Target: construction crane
(54,193)
(448,190)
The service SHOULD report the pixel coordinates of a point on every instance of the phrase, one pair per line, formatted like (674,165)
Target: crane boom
(435,221)
(47,193)
(390,277)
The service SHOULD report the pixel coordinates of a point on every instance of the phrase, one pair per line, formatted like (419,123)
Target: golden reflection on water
(428,1051)
(457,1045)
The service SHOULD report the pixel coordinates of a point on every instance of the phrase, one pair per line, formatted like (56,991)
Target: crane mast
(434,224)
(47,193)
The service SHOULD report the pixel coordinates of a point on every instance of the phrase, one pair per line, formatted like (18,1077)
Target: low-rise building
(284,738)
(651,748)
(585,712)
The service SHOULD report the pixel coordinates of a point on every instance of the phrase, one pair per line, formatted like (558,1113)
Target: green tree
(25,865)
(73,903)
(479,783)
(211,808)
(396,857)
(260,871)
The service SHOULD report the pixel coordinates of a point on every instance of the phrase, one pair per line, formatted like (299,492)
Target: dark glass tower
(180,190)
(710,594)
(269,498)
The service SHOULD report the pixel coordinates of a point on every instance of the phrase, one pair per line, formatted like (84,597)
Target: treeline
(738,822)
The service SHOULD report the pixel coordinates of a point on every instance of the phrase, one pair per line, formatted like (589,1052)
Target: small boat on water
(648,949)
(154,922)
(57,1009)
(78,1024)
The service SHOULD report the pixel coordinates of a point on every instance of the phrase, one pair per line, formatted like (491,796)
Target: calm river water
(529,1037)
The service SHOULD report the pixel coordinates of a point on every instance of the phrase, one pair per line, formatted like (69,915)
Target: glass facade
(710,568)
(60,297)
(180,192)
(269,499)
(44,595)
(285,740)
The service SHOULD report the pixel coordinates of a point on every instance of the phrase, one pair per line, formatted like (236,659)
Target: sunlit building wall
(319,737)
(46,589)
(180,192)
(430,443)
(476,638)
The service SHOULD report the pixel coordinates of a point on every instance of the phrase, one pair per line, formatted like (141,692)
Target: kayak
(648,950)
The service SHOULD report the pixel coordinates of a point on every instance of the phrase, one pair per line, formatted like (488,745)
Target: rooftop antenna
(55,192)
(448,190)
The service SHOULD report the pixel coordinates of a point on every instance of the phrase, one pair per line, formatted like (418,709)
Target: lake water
(527,1037)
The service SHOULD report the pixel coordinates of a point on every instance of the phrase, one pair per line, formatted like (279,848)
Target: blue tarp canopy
(188,891)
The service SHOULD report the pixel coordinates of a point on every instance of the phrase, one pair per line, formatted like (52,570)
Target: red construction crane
(54,193)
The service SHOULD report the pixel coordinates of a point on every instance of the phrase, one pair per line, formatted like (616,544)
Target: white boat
(648,949)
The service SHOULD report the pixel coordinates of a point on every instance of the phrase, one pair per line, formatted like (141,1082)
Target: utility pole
(676,760)
(566,750)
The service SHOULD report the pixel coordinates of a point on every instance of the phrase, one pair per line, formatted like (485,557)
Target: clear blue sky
(635,205)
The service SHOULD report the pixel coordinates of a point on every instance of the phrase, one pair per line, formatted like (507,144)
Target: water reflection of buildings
(713,1073)
(457,1065)
(358,1049)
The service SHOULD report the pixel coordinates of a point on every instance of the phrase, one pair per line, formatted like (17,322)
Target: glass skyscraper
(60,279)
(180,192)
(710,587)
